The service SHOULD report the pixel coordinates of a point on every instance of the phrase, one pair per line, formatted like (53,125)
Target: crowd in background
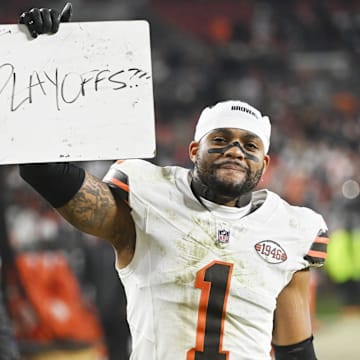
(296,61)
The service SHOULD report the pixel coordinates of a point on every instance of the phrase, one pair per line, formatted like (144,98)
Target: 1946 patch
(271,251)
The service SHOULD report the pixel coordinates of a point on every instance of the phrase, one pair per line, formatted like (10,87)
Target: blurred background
(298,62)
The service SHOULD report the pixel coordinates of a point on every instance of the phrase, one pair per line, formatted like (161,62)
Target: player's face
(230,162)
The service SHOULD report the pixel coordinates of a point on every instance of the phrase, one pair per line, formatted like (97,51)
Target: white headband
(234,114)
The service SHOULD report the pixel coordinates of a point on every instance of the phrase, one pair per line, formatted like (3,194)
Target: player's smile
(231,170)
(231,164)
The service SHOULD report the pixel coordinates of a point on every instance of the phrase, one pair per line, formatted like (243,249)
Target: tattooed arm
(94,210)
(86,202)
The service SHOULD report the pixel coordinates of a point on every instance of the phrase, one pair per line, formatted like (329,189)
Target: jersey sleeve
(129,181)
(317,253)
(118,181)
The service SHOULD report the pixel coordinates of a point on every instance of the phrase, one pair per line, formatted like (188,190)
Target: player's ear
(193,149)
(266,163)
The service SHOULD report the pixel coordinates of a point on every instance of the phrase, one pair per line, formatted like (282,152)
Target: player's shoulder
(302,213)
(310,229)
(303,219)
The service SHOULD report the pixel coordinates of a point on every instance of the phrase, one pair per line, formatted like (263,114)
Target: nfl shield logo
(223,236)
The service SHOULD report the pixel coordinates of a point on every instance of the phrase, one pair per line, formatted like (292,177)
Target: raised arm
(86,202)
(292,334)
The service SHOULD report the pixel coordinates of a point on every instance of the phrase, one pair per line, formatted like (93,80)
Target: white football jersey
(199,287)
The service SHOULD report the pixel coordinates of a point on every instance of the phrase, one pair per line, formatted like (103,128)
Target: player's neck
(202,190)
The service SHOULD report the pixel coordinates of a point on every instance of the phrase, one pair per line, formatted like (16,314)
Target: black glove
(45,21)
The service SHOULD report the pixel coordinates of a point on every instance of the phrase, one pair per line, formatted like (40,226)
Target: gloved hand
(45,21)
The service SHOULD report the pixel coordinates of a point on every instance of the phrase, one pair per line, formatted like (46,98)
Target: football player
(212,268)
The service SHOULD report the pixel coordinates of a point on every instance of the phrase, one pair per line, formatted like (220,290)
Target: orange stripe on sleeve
(120,184)
(318,254)
(322,240)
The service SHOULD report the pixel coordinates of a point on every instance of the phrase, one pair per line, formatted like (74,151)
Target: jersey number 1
(214,282)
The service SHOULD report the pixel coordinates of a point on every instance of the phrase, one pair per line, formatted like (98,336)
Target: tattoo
(94,210)
(89,208)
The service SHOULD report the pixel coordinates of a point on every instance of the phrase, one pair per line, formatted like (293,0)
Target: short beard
(224,189)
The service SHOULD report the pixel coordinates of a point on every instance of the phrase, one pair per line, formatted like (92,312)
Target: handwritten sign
(82,94)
